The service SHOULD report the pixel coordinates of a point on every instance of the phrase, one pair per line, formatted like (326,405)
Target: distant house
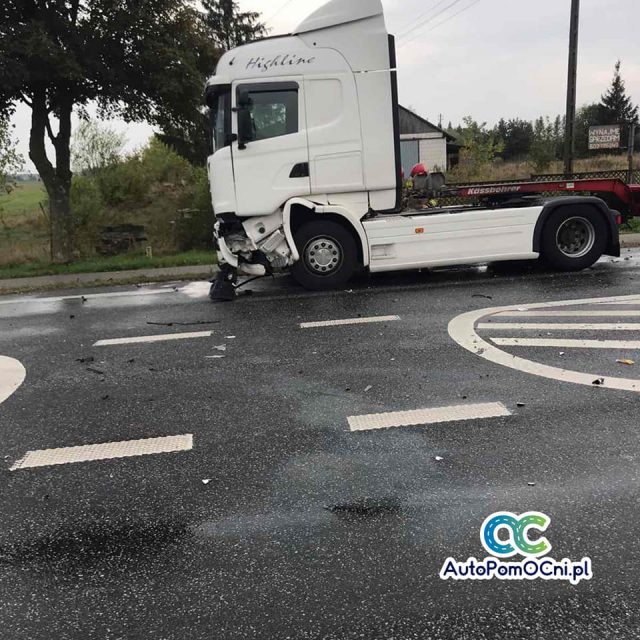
(422,141)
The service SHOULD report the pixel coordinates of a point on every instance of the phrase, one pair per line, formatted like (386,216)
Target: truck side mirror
(245,122)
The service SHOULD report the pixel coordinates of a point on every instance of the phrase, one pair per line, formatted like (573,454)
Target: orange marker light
(420,230)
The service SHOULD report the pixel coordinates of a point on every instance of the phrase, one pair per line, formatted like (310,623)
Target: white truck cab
(306,174)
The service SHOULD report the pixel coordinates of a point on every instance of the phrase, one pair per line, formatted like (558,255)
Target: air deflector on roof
(337,12)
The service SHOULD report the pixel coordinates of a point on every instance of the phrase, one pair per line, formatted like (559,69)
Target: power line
(431,18)
(405,30)
(435,26)
(282,8)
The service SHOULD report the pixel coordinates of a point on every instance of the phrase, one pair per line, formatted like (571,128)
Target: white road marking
(12,375)
(548,326)
(462,331)
(568,344)
(157,338)
(105,451)
(336,323)
(427,416)
(89,296)
(569,314)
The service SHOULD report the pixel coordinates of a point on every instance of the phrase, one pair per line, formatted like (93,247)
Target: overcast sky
(496,58)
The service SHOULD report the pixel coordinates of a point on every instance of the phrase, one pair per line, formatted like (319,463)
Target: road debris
(93,370)
(221,347)
(214,357)
(206,481)
(439,459)
(85,360)
(531,484)
(599,382)
(520,404)
(626,361)
(230,337)
(183,324)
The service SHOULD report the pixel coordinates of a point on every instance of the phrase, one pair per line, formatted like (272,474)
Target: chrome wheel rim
(323,255)
(575,237)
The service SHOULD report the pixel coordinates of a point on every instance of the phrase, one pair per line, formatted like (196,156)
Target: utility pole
(631,149)
(570,131)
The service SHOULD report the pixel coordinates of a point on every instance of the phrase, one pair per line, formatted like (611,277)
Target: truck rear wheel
(328,255)
(574,239)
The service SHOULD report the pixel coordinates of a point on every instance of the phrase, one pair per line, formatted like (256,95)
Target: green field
(23,200)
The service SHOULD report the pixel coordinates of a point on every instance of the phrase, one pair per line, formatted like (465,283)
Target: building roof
(411,122)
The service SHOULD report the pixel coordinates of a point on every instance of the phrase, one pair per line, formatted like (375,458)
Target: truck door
(271,153)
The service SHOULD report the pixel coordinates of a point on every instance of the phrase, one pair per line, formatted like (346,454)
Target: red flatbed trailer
(618,195)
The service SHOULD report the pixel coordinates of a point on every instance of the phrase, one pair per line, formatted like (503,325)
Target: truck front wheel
(328,255)
(574,239)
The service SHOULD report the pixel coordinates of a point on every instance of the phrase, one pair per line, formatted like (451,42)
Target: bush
(86,200)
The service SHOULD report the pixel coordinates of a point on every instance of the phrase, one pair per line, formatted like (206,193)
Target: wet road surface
(176,469)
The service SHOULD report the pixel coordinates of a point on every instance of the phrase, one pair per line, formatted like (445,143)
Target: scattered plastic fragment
(206,481)
(230,337)
(626,361)
(98,371)
(599,382)
(562,353)
(439,459)
(221,347)
(531,484)
(520,404)
(214,357)
(368,388)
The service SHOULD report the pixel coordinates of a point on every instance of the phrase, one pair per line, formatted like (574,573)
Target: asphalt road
(272,519)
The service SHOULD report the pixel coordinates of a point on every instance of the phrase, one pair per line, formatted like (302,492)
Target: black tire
(328,255)
(574,238)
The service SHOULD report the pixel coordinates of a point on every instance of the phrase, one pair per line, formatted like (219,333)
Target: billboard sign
(604,137)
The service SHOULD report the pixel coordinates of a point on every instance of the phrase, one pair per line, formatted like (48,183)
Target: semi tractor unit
(306,173)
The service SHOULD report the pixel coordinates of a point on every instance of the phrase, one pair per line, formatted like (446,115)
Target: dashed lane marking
(104,451)
(566,343)
(463,330)
(156,338)
(548,326)
(337,323)
(12,375)
(427,416)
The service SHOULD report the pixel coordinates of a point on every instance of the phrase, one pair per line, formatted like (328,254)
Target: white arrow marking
(12,375)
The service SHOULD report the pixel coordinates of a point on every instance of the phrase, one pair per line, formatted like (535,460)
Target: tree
(543,148)
(517,136)
(136,60)
(10,160)
(230,26)
(616,107)
(227,27)
(94,147)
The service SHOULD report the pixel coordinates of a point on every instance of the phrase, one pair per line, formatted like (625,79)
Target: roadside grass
(112,263)
(633,226)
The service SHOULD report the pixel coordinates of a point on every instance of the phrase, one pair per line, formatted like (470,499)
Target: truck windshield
(220,105)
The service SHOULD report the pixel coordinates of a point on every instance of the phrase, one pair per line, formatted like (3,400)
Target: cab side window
(273,109)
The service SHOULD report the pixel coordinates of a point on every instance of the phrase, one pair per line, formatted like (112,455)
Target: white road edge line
(462,330)
(89,296)
(104,451)
(427,416)
(12,375)
(336,323)
(569,314)
(547,326)
(567,344)
(157,338)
